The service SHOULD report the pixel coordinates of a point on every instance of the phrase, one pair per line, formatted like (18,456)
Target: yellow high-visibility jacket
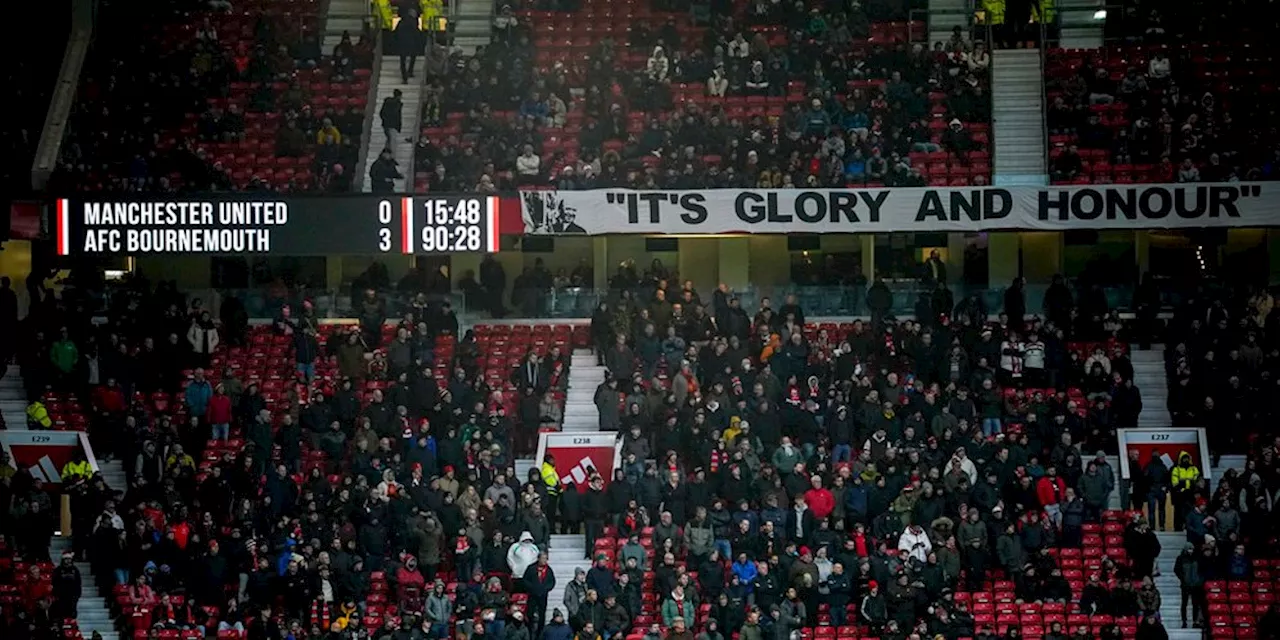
(1181,477)
(551,478)
(994,10)
(76,471)
(38,415)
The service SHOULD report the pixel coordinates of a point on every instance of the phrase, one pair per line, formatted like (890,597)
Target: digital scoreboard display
(300,226)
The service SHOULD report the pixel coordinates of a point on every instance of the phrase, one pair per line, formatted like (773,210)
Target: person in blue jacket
(197,395)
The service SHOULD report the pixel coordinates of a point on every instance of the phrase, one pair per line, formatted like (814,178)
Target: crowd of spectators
(1222,361)
(1185,97)
(207,96)
(877,478)
(763,94)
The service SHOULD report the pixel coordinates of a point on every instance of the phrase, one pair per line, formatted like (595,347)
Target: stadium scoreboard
(298,226)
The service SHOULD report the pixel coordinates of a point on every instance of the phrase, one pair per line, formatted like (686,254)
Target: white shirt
(528,165)
(915,545)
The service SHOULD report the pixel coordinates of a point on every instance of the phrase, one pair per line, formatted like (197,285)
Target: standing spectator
(539,581)
(392,120)
(1182,480)
(202,335)
(408,40)
(305,351)
(65,357)
(1051,491)
(372,312)
(66,587)
(197,395)
(219,414)
(1154,483)
(528,166)
(384,172)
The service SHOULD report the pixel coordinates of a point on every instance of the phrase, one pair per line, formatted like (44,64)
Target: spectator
(390,113)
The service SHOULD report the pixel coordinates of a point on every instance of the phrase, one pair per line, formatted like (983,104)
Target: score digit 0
(385,214)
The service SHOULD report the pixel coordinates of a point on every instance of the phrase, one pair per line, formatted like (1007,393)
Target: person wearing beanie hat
(575,593)
(873,611)
(557,629)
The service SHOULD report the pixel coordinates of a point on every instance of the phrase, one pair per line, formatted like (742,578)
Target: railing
(54,131)
(370,111)
(580,302)
(265,301)
(1044,99)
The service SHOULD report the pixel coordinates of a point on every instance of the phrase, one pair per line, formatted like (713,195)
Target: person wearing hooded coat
(522,554)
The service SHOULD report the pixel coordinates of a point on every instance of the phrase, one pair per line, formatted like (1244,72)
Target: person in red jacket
(1051,491)
(819,499)
(410,581)
(218,415)
(109,399)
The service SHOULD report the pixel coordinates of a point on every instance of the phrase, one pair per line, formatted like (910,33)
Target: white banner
(1173,206)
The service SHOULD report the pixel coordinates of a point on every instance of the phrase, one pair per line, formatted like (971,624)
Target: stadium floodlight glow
(1100,14)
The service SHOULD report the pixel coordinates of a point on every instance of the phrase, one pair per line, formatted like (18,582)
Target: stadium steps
(1017,90)
(389,80)
(945,15)
(473,27)
(13,398)
(1171,544)
(567,553)
(1078,28)
(1152,383)
(580,413)
(343,15)
(92,612)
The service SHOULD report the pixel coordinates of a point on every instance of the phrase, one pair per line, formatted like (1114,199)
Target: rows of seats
(1234,607)
(1237,77)
(565,44)
(994,604)
(196,63)
(380,603)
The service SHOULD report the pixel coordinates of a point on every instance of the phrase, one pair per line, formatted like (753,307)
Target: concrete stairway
(92,612)
(473,27)
(945,15)
(1171,544)
(1017,89)
(580,413)
(13,399)
(567,553)
(343,16)
(1078,26)
(389,80)
(113,473)
(1150,379)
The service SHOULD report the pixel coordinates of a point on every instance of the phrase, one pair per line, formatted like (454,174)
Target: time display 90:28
(460,237)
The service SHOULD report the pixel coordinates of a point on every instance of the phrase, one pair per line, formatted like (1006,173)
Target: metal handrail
(1044,97)
(370,112)
(57,118)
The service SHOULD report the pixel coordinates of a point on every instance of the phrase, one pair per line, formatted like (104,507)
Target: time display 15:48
(462,211)
(450,238)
